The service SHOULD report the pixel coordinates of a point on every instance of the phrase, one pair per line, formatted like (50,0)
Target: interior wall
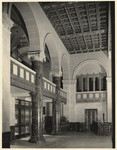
(12,111)
(80,110)
(6,25)
(76,110)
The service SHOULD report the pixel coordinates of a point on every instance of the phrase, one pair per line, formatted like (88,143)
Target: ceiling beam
(83,33)
(98,21)
(66,9)
(78,44)
(62,23)
(89,22)
(79,20)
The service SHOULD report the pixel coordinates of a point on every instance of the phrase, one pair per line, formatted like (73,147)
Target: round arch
(80,65)
(65,67)
(49,41)
(31,24)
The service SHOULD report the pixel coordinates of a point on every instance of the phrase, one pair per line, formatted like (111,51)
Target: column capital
(7,21)
(37,55)
(108,79)
(56,73)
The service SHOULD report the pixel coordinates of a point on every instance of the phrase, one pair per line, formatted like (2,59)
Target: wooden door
(91,115)
(22,117)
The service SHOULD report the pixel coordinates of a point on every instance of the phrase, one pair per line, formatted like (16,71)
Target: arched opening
(47,63)
(50,46)
(65,68)
(24,33)
(91,88)
(91,77)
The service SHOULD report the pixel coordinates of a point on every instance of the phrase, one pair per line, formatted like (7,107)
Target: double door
(22,117)
(91,115)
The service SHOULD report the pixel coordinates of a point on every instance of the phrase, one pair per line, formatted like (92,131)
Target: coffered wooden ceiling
(82,26)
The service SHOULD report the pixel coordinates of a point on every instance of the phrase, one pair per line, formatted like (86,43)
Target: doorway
(91,115)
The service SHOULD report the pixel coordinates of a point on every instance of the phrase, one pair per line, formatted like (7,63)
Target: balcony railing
(24,77)
(63,93)
(21,71)
(91,96)
(49,86)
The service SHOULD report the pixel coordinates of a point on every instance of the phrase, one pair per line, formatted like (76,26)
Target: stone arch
(80,65)
(6,8)
(31,24)
(49,41)
(65,67)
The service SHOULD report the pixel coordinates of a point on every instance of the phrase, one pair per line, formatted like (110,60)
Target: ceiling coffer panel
(81,26)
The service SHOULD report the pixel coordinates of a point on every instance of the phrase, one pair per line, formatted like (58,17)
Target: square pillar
(109,99)
(6,26)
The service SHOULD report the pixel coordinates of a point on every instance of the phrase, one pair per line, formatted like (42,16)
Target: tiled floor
(67,140)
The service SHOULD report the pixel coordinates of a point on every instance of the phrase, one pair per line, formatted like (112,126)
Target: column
(109,31)
(72,101)
(81,84)
(56,106)
(54,116)
(66,86)
(87,83)
(93,83)
(6,26)
(100,84)
(37,97)
(109,99)
(12,116)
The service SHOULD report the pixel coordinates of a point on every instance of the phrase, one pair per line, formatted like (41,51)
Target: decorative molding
(88,101)
(108,79)
(57,73)
(37,55)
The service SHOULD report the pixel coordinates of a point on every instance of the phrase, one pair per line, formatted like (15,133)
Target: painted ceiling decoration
(81,26)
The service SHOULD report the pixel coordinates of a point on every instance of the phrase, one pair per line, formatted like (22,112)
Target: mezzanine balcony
(24,77)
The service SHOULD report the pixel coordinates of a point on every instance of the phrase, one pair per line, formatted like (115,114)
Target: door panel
(91,115)
(22,117)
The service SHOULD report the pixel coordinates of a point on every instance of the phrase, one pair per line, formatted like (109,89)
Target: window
(43,110)
(79,85)
(103,84)
(84,84)
(97,84)
(90,84)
